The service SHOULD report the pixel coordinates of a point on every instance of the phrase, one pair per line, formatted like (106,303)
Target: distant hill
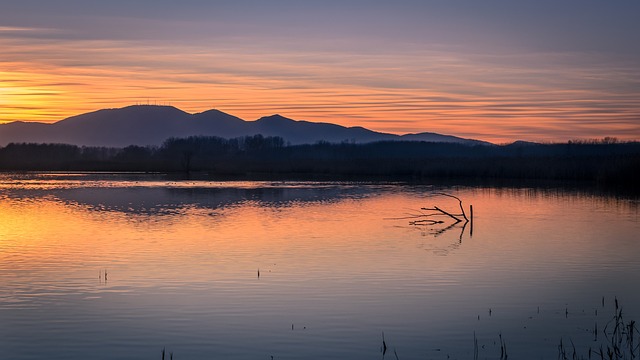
(151,125)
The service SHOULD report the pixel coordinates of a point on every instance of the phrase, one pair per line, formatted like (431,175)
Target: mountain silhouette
(151,125)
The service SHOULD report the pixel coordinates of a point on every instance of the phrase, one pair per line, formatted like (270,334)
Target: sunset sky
(500,71)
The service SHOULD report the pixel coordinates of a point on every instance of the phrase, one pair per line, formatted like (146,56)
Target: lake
(108,266)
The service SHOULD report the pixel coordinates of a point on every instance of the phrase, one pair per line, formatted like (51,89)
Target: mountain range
(152,124)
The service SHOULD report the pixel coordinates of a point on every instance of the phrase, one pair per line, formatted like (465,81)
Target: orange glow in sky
(498,86)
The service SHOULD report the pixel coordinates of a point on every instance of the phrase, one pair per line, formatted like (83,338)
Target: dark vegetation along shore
(605,162)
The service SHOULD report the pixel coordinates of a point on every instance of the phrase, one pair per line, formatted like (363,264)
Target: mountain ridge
(151,125)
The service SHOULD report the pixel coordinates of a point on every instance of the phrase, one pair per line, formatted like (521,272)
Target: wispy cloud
(494,94)
(15,29)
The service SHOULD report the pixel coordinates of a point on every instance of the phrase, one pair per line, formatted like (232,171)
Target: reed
(619,342)
(475,346)
(503,348)
(384,345)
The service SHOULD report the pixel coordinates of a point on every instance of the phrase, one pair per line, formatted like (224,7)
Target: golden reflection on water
(350,236)
(341,259)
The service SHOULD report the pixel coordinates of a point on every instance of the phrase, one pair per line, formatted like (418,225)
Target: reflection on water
(339,263)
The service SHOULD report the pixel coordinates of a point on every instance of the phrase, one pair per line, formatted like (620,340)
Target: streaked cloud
(15,29)
(407,78)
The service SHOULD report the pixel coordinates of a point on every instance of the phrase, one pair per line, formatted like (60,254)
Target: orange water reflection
(323,237)
(338,258)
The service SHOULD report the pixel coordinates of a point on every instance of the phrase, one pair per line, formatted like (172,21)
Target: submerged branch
(426,222)
(429,217)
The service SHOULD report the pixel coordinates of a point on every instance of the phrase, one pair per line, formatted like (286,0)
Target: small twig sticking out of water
(475,346)
(503,348)
(471,217)
(102,276)
(632,330)
(384,345)
(562,353)
(395,353)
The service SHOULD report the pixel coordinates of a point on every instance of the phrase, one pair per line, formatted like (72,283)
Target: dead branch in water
(437,211)
(429,216)
(454,216)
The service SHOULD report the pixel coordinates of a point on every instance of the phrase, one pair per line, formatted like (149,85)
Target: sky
(499,71)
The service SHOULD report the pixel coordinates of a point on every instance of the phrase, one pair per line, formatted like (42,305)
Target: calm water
(339,264)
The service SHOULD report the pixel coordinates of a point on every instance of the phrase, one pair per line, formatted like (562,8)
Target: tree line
(604,161)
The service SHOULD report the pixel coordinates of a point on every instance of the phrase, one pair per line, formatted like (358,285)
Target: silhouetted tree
(605,161)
